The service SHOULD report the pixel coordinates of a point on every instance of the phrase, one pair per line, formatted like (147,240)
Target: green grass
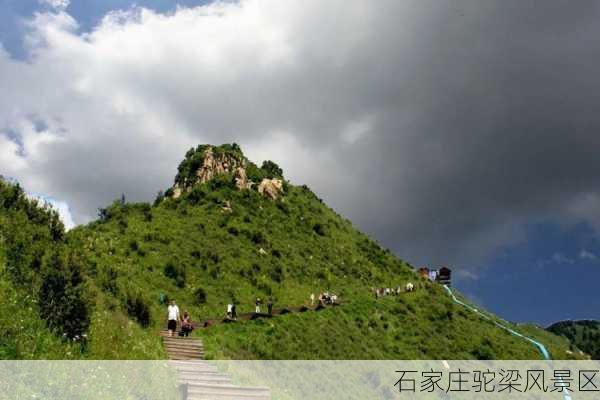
(192,250)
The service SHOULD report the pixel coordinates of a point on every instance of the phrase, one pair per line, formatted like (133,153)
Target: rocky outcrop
(177,192)
(217,164)
(241,179)
(227,207)
(271,188)
(207,162)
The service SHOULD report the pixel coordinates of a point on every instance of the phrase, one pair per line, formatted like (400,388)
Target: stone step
(228,390)
(183,358)
(208,374)
(195,368)
(225,396)
(182,341)
(176,346)
(208,379)
(184,349)
(198,363)
(186,357)
(176,336)
(194,354)
(203,374)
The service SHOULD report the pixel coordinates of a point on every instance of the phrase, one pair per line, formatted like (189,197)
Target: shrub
(138,308)
(319,229)
(258,237)
(277,273)
(61,295)
(271,170)
(108,280)
(175,272)
(200,296)
(134,245)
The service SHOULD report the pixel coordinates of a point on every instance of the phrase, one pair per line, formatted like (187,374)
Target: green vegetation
(584,335)
(102,287)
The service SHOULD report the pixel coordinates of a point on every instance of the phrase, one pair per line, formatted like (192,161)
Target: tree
(61,295)
(159,198)
(271,169)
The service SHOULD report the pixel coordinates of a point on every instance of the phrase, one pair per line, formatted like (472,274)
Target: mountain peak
(207,162)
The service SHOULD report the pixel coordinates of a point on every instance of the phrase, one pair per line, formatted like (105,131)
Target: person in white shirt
(172,317)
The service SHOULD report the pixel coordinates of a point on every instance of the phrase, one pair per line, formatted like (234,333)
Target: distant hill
(584,334)
(226,230)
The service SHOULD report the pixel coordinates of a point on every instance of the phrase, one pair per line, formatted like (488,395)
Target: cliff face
(206,162)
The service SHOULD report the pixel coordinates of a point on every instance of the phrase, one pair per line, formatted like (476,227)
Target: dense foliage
(584,335)
(40,291)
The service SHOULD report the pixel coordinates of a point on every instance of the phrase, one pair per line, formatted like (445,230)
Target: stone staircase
(200,380)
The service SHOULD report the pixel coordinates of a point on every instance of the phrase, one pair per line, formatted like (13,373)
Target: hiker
(312,299)
(172,317)
(270,306)
(410,287)
(230,310)
(257,304)
(233,312)
(186,324)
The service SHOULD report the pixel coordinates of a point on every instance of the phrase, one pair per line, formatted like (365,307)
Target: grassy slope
(192,250)
(309,249)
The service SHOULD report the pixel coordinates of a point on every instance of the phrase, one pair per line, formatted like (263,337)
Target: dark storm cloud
(439,128)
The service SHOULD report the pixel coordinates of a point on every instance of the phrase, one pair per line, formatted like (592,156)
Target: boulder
(241,179)
(271,188)
(177,191)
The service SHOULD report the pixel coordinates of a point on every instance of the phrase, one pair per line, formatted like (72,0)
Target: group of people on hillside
(232,313)
(174,318)
(184,322)
(381,292)
(324,298)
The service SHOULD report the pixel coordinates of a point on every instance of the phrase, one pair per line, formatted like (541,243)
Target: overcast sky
(459,132)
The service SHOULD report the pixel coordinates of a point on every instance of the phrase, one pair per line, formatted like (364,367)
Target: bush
(258,237)
(175,272)
(200,296)
(271,170)
(320,229)
(138,308)
(277,274)
(61,296)
(108,280)
(134,245)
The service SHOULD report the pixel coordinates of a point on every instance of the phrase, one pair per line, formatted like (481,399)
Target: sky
(462,133)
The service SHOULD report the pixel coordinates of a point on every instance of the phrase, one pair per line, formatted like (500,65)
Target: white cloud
(587,255)
(559,258)
(401,115)
(56,4)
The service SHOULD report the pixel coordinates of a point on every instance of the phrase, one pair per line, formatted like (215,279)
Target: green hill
(229,229)
(584,335)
